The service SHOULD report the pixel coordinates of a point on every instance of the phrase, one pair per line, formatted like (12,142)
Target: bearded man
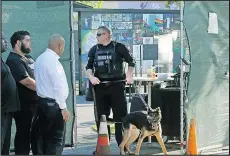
(21,65)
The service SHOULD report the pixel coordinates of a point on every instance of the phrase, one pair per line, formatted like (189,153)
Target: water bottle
(153,72)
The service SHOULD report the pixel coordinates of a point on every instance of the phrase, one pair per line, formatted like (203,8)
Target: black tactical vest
(107,63)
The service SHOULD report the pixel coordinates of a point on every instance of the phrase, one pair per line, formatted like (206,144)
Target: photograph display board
(133,30)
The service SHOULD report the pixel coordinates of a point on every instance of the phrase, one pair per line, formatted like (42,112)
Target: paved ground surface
(87,138)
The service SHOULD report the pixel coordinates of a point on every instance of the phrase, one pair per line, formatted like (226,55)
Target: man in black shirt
(22,67)
(106,59)
(9,102)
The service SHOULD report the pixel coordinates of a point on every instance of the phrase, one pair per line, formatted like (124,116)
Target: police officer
(106,59)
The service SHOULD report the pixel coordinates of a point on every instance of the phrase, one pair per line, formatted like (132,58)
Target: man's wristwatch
(65,109)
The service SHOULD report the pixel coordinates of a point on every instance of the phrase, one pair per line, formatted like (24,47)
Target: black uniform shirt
(120,49)
(21,68)
(9,93)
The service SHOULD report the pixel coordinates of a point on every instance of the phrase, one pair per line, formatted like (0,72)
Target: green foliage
(94,4)
(168,3)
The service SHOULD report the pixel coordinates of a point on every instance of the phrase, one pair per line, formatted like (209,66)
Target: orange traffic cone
(103,147)
(192,143)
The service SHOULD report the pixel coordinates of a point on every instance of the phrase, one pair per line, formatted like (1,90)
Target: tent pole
(181,81)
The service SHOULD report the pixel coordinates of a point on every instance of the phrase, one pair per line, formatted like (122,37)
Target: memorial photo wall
(139,32)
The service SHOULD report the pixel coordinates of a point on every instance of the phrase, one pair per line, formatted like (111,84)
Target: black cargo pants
(48,130)
(6,123)
(110,96)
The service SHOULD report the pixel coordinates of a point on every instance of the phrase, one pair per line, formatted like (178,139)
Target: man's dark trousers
(48,129)
(23,120)
(111,96)
(6,122)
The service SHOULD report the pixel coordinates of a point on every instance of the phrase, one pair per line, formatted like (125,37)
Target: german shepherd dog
(141,124)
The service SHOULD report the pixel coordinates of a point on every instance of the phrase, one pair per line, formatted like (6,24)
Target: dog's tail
(158,109)
(125,125)
(122,128)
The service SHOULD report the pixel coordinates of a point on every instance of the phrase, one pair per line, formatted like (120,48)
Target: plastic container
(153,72)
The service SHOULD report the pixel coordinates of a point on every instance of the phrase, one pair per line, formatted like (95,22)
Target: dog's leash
(142,99)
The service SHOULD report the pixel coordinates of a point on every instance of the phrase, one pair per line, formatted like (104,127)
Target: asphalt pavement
(87,137)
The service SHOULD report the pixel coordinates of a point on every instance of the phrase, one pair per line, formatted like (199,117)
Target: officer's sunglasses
(99,34)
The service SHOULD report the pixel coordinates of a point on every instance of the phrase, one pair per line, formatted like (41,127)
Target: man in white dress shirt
(52,89)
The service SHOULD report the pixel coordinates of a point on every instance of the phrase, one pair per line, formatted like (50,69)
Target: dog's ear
(150,110)
(158,109)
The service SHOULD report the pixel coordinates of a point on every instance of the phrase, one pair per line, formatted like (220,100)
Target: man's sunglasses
(99,34)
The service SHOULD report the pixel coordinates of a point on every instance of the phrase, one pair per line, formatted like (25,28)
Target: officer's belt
(111,82)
